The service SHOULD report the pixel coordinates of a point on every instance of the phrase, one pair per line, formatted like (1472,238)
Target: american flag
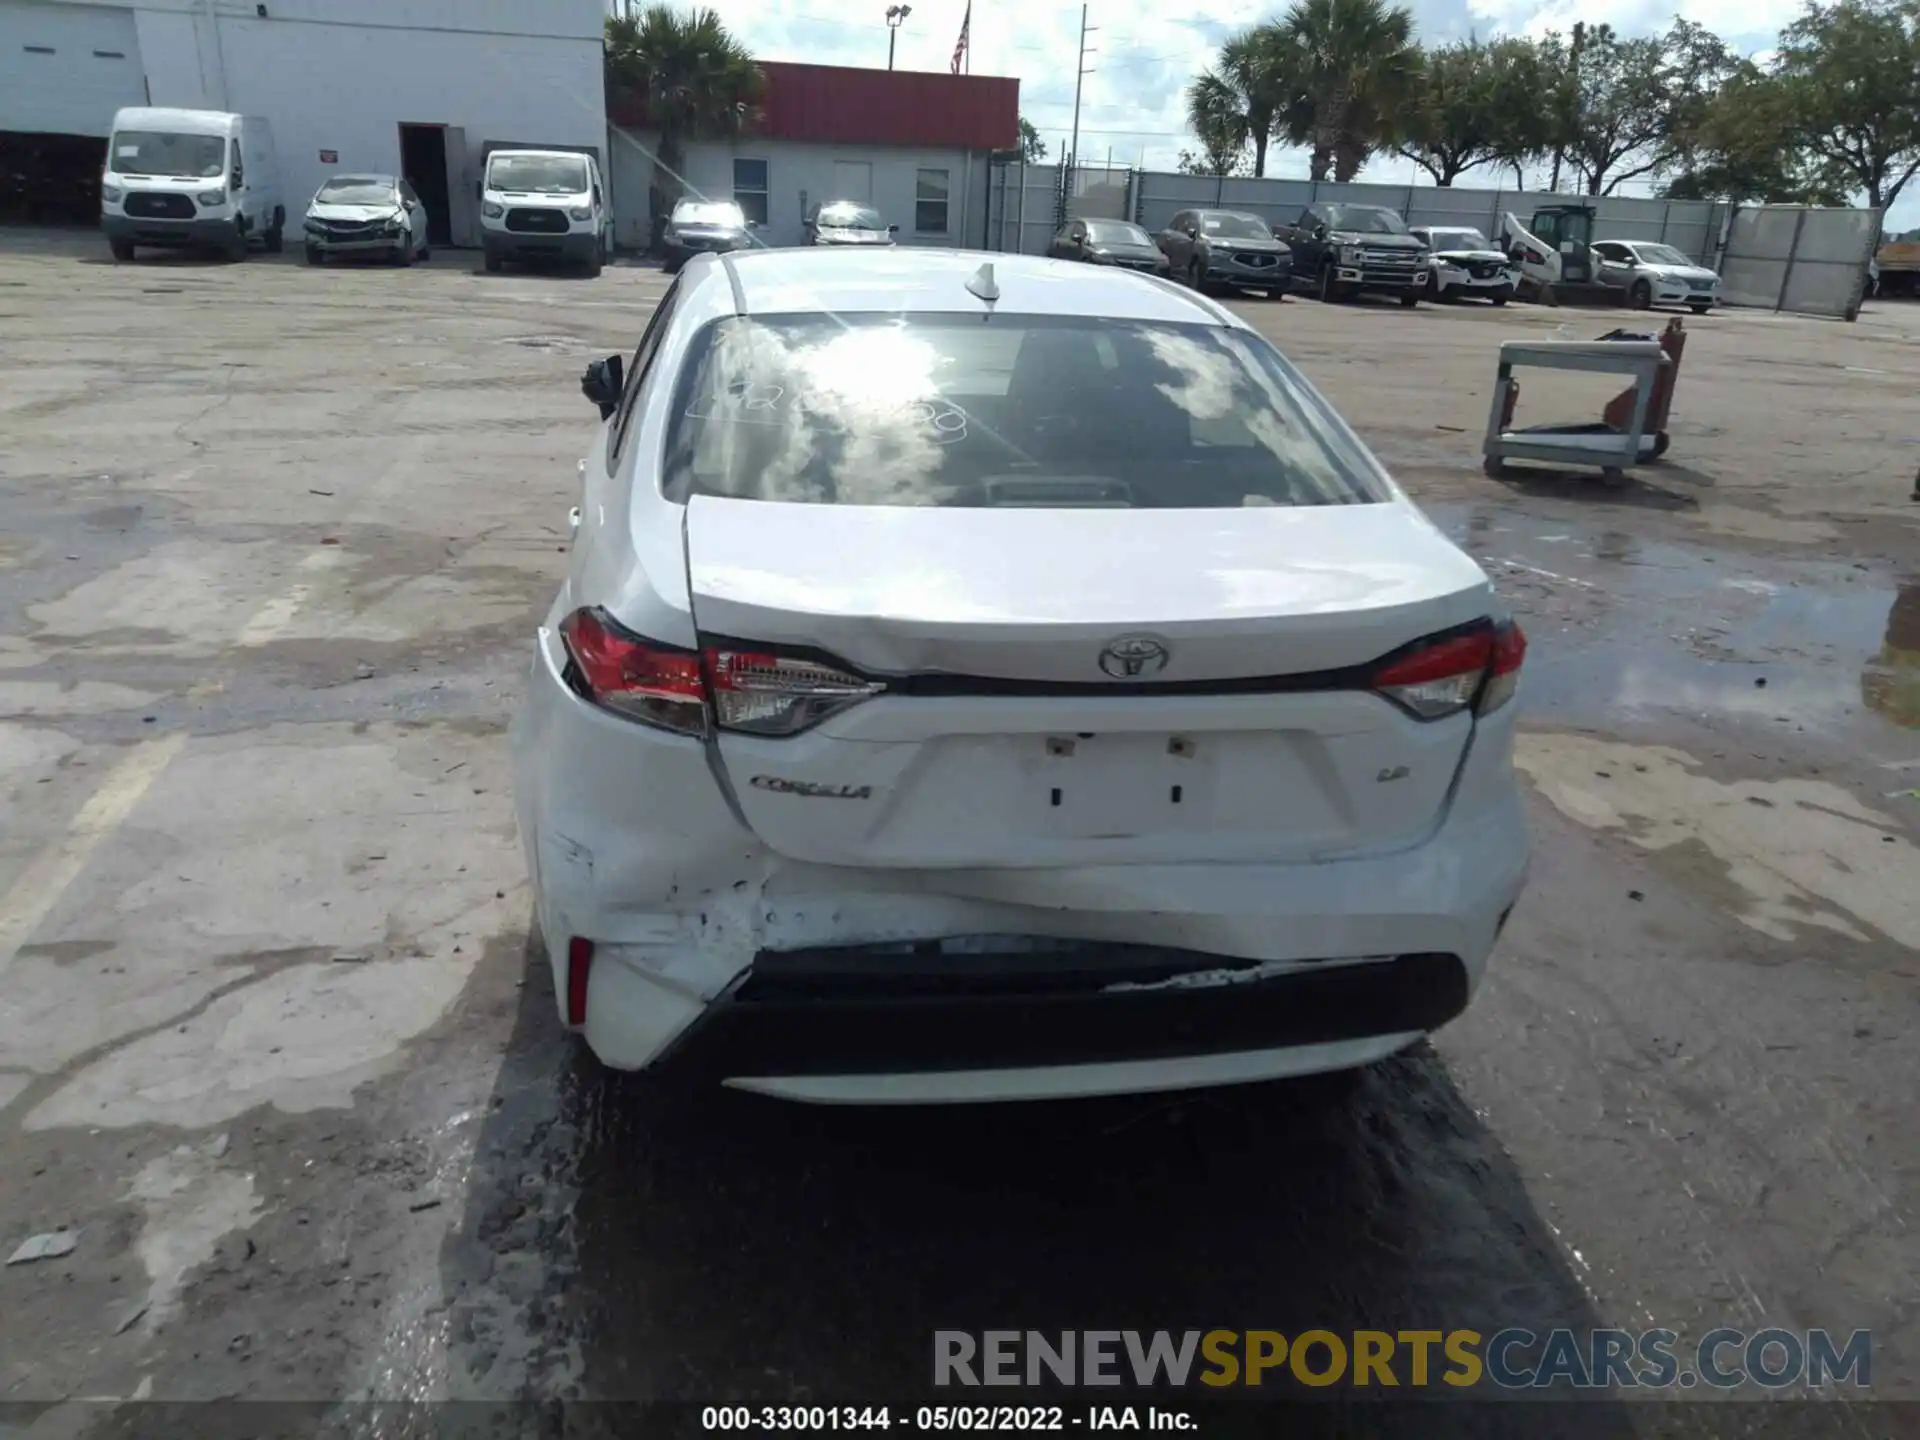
(960,45)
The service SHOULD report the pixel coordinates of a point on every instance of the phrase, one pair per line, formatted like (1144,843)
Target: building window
(750,189)
(930,203)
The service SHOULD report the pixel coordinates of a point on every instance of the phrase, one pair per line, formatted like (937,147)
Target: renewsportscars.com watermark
(1511,1359)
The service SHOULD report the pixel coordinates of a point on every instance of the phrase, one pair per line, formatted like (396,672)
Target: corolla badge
(812,789)
(1133,657)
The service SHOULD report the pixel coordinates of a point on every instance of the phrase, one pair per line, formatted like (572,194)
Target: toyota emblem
(1133,657)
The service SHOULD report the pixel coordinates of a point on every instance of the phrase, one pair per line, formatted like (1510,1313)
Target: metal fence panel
(1828,274)
(1022,203)
(1797,258)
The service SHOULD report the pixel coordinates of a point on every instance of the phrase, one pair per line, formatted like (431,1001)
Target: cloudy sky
(1146,53)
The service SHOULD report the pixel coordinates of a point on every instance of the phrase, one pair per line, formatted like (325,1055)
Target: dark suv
(1229,249)
(1342,250)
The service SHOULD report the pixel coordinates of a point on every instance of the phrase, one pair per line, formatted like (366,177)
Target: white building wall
(802,175)
(343,75)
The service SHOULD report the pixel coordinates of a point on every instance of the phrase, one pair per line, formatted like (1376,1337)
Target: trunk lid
(1080,686)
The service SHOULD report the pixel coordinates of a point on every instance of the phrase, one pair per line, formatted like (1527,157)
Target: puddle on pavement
(1619,623)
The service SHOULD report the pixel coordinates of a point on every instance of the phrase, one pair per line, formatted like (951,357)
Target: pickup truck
(1343,250)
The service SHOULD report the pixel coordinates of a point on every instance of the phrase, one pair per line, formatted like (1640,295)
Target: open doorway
(423,163)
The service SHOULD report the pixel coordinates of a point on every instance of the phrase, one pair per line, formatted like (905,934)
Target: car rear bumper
(680,254)
(197,233)
(1069,980)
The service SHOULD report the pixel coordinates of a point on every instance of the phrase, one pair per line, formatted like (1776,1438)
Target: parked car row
(208,180)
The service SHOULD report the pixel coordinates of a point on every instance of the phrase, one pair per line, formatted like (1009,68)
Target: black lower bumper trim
(1002,1012)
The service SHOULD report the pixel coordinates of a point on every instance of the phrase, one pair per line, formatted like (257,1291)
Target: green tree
(694,79)
(1211,161)
(1634,108)
(1451,120)
(1355,65)
(1620,111)
(1522,74)
(1849,78)
(1032,148)
(1030,151)
(1240,99)
(1741,146)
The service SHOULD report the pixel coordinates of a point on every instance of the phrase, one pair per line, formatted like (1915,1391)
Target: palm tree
(1244,97)
(1356,63)
(694,79)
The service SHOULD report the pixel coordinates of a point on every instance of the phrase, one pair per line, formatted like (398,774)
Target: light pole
(896,17)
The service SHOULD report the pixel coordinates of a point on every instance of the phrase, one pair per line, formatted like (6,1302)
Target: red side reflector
(579,964)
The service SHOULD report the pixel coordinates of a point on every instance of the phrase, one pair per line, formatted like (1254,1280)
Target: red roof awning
(844,105)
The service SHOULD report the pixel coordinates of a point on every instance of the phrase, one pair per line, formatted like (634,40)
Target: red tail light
(1503,675)
(656,684)
(756,692)
(1442,676)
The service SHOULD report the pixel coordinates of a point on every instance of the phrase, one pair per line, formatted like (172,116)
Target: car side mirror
(601,383)
(893,229)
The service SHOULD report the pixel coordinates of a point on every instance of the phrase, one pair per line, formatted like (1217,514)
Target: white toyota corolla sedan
(989,678)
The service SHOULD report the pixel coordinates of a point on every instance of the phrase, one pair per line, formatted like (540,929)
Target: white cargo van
(191,179)
(544,205)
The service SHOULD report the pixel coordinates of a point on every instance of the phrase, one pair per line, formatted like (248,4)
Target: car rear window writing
(967,410)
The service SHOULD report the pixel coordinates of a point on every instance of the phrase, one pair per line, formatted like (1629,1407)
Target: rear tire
(122,250)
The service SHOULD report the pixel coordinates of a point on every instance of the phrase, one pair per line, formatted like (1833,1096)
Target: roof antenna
(981,283)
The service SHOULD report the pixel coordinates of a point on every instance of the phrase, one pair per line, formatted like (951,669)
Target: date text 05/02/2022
(765,1419)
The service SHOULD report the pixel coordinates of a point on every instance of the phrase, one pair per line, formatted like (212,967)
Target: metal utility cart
(1608,447)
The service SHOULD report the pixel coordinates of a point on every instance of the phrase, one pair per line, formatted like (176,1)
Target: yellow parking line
(46,879)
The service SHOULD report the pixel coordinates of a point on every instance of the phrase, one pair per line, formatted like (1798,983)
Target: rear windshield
(1047,411)
(850,217)
(1117,232)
